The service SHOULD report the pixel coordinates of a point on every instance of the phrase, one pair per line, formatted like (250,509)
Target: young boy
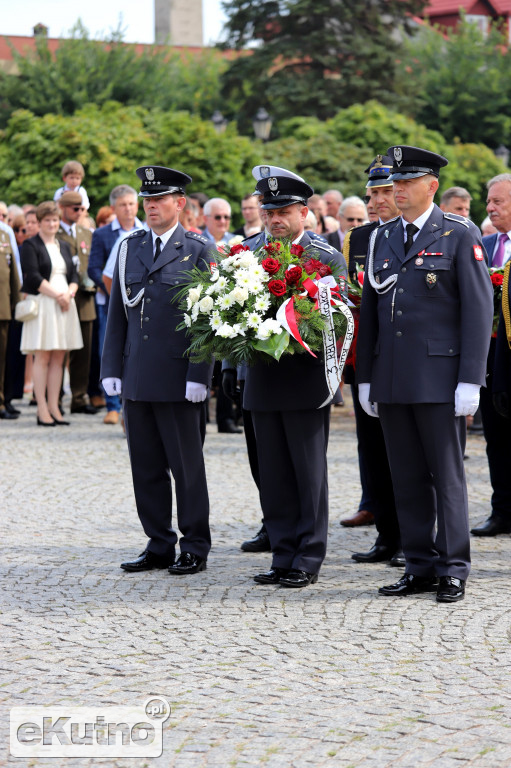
(72,174)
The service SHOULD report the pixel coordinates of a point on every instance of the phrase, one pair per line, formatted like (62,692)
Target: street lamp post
(502,153)
(219,121)
(262,123)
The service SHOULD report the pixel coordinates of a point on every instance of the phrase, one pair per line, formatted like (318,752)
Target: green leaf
(275,345)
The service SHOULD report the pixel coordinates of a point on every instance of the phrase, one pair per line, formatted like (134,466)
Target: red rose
(277,287)
(497,278)
(272,249)
(293,275)
(314,265)
(270,265)
(296,250)
(237,249)
(360,277)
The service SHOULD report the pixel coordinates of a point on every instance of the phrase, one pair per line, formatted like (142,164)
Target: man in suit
(377,494)
(352,213)
(123,200)
(217,216)
(502,362)
(423,340)
(163,390)
(9,296)
(79,240)
(495,426)
(290,425)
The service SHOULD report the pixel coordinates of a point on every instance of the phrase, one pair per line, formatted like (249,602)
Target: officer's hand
(196,393)
(363,395)
(112,386)
(230,384)
(466,399)
(501,404)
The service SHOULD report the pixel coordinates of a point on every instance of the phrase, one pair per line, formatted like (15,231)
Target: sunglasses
(221,216)
(20,229)
(354,218)
(78,207)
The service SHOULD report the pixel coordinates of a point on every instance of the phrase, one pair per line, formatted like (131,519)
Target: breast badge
(431,279)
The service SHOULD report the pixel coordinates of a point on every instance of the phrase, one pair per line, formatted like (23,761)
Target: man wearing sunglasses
(352,213)
(217,215)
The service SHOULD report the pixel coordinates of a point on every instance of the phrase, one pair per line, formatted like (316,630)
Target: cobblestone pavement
(332,675)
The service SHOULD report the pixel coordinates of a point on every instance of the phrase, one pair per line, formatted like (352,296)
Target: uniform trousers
(166,439)
(291,450)
(497,433)
(425,446)
(79,365)
(4,333)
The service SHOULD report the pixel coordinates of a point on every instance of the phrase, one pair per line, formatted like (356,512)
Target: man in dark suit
(352,213)
(495,426)
(425,324)
(502,362)
(79,240)
(163,390)
(9,296)
(377,493)
(123,200)
(290,425)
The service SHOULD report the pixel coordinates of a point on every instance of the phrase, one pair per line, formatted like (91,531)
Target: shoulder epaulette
(137,233)
(322,245)
(457,218)
(197,236)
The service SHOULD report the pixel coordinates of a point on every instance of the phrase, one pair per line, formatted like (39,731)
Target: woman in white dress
(49,274)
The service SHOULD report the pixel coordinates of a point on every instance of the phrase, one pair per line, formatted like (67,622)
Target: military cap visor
(379,172)
(280,191)
(413,162)
(157,181)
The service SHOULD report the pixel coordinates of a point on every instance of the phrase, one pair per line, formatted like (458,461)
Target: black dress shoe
(4,414)
(409,584)
(273,576)
(260,542)
(61,423)
(9,407)
(492,527)
(398,559)
(450,590)
(188,563)
(229,426)
(147,561)
(88,409)
(297,578)
(45,423)
(376,554)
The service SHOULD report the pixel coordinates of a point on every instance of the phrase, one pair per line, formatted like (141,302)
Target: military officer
(163,390)
(375,479)
(79,240)
(425,325)
(290,426)
(9,295)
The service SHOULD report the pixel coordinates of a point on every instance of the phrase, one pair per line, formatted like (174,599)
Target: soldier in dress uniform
(375,479)
(79,240)
(9,296)
(163,390)
(425,324)
(290,426)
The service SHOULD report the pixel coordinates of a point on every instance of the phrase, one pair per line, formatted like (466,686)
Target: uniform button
(148,301)
(150,282)
(431,266)
(399,334)
(145,338)
(146,319)
(400,290)
(399,312)
(403,269)
(451,351)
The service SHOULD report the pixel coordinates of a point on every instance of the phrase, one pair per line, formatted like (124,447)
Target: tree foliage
(313,57)
(84,71)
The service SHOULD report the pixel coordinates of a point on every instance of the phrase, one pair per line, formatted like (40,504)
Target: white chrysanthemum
(247,259)
(257,271)
(225,302)
(268,328)
(221,283)
(239,329)
(253,320)
(195,312)
(206,304)
(239,295)
(228,264)
(261,304)
(215,320)
(215,274)
(255,287)
(188,303)
(242,277)
(209,291)
(187,320)
(226,331)
(194,294)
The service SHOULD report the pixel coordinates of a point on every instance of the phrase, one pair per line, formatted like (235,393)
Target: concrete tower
(178,22)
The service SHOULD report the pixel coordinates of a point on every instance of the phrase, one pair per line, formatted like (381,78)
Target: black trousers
(291,449)
(497,432)
(425,445)
(167,438)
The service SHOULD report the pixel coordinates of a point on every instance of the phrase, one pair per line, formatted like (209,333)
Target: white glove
(363,395)
(466,399)
(196,393)
(112,386)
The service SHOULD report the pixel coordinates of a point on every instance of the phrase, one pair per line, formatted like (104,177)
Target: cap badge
(431,279)
(149,174)
(378,162)
(398,155)
(273,185)
(264,171)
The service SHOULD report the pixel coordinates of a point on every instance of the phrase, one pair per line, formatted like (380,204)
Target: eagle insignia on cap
(273,184)
(265,171)
(378,162)
(149,174)
(398,155)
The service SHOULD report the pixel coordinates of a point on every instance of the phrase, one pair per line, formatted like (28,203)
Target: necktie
(157,250)
(498,258)
(411,229)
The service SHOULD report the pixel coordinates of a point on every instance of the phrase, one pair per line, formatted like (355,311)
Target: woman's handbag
(27,309)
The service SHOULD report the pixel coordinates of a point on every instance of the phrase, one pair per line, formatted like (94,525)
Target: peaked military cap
(265,171)
(379,172)
(412,162)
(279,191)
(70,198)
(157,180)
